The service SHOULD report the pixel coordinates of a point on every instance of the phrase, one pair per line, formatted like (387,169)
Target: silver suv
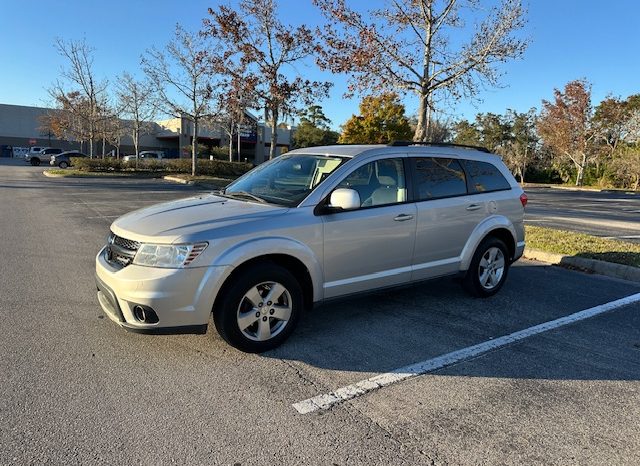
(38,155)
(314,224)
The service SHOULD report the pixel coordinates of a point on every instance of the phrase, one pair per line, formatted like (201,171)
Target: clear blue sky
(570,39)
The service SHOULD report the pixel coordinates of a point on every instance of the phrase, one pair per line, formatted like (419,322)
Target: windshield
(286,180)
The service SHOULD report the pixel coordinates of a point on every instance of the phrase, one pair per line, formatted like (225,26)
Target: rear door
(446,215)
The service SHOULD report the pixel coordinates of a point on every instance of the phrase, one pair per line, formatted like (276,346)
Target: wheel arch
(496,226)
(291,263)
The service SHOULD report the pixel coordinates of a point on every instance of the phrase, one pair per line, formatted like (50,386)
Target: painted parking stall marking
(327,400)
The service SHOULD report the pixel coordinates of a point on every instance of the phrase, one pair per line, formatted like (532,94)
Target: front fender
(254,248)
(485,227)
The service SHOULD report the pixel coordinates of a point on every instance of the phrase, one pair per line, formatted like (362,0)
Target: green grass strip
(582,245)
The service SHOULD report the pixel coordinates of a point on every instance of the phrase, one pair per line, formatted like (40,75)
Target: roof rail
(437,144)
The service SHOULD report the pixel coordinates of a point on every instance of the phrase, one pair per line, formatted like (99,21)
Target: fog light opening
(145,314)
(138,313)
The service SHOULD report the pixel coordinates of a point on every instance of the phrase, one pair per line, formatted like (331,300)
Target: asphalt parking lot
(75,388)
(611,214)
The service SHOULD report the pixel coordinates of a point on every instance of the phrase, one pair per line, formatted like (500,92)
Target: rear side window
(485,177)
(439,177)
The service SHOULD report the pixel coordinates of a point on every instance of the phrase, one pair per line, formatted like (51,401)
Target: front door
(371,247)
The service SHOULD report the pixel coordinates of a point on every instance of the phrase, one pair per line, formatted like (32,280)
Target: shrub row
(204,167)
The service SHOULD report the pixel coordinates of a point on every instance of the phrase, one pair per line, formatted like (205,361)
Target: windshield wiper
(245,194)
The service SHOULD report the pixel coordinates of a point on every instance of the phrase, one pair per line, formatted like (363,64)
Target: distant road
(606,214)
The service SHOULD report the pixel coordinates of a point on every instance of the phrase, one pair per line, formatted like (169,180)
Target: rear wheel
(63,164)
(260,309)
(488,270)
(35,161)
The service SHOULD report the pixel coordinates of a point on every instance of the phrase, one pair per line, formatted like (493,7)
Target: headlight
(167,255)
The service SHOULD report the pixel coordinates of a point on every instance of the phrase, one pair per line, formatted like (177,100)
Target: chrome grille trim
(120,251)
(125,243)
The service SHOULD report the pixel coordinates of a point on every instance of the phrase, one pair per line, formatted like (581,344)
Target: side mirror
(344,199)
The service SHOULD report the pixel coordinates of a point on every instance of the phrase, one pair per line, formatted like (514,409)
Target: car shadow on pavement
(391,329)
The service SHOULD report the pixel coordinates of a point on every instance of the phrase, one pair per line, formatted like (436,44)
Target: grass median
(583,245)
(74,173)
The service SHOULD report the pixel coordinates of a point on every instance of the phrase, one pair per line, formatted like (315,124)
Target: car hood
(188,219)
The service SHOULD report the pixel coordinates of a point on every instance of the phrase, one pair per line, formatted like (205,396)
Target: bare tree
(117,130)
(265,48)
(183,79)
(232,103)
(136,102)
(407,48)
(87,93)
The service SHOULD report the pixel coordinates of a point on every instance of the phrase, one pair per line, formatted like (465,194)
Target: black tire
(472,281)
(232,300)
(35,161)
(63,164)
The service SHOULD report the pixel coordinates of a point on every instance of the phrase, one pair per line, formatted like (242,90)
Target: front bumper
(181,298)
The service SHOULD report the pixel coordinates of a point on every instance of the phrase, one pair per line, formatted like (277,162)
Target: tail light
(524,199)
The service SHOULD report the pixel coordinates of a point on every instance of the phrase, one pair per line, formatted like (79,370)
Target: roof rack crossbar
(437,144)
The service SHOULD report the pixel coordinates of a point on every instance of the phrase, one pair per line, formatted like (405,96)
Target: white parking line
(111,202)
(327,400)
(137,192)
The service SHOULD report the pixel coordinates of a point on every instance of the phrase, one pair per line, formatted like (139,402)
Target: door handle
(474,207)
(403,217)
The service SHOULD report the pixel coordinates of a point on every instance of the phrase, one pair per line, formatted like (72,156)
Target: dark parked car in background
(63,160)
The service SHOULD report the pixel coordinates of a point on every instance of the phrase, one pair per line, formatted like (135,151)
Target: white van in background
(146,155)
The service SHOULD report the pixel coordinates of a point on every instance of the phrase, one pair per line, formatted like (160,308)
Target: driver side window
(378,183)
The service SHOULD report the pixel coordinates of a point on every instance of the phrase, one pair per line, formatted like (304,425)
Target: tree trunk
(580,176)
(274,133)
(194,147)
(136,143)
(422,127)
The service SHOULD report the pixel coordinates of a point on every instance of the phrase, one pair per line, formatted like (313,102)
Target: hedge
(204,167)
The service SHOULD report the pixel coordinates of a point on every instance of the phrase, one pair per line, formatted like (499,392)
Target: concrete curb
(578,188)
(609,269)
(51,175)
(207,184)
(175,179)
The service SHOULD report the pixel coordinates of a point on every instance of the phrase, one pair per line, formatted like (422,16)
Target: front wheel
(35,162)
(260,309)
(63,164)
(488,270)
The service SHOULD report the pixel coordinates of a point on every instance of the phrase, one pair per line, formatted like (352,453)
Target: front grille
(125,243)
(120,251)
